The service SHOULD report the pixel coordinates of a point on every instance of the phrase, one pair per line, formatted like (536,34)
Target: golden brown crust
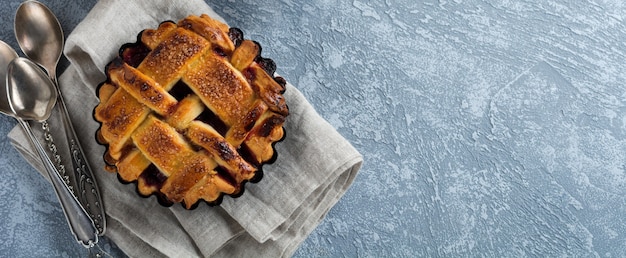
(212,30)
(245,54)
(222,151)
(219,86)
(119,116)
(168,61)
(143,88)
(188,113)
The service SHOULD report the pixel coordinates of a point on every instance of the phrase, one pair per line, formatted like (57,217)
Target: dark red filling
(134,54)
(152,176)
(236,36)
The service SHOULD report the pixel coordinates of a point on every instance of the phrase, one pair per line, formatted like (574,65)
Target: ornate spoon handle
(80,223)
(52,147)
(86,189)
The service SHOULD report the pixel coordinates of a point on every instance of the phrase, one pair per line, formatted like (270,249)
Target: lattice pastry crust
(190,112)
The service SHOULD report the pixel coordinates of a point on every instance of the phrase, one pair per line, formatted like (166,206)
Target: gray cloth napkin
(315,165)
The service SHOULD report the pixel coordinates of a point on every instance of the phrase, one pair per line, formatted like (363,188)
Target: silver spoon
(7,54)
(23,97)
(28,95)
(40,37)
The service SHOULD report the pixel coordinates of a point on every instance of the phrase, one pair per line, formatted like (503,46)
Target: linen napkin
(315,164)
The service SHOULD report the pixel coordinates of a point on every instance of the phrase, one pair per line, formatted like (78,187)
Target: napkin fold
(315,164)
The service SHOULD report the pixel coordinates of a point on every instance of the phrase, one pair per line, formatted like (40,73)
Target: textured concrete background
(488,128)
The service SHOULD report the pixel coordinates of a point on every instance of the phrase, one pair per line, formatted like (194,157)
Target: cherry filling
(180,91)
(223,173)
(236,36)
(153,177)
(267,64)
(134,53)
(210,118)
(245,152)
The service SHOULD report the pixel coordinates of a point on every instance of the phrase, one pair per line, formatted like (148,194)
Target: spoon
(40,37)
(26,96)
(23,97)
(7,54)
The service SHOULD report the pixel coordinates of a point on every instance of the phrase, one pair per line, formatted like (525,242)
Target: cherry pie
(190,112)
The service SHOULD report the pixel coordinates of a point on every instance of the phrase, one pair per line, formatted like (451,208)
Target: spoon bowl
(39,35)
(7,54)
(31,94)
